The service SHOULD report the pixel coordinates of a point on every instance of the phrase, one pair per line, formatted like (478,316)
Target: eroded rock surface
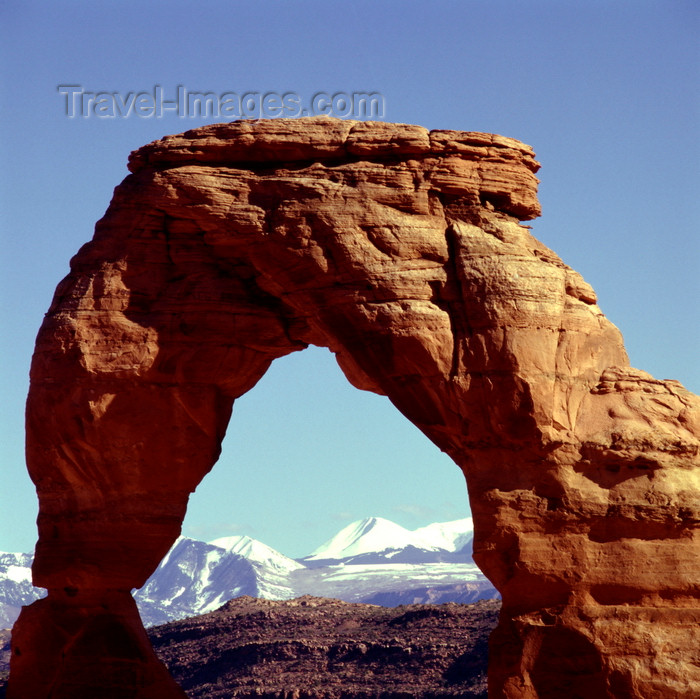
(400,250)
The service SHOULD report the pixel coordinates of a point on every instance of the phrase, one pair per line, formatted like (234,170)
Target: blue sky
(606,93)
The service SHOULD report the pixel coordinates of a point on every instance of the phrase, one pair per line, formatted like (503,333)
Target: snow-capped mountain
(372,560)
(196,577)
(371,535)
(256,552)
(377,540)
(450,536)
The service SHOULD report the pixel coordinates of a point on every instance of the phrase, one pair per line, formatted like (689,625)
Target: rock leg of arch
(402,251)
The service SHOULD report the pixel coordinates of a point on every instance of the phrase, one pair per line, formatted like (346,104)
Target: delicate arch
(401,251)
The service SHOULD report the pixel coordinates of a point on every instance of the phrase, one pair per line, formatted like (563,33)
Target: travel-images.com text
(184,103)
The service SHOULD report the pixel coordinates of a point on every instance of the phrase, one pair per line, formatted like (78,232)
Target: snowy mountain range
(378,540)
(372,560)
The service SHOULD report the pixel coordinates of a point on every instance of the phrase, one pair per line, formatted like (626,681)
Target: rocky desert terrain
(316,648)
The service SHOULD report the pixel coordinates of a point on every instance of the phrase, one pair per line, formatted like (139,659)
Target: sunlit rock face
(402,251)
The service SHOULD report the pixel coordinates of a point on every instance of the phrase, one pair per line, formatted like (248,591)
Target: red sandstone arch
(401,251)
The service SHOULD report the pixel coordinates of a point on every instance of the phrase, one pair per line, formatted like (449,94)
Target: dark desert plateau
(316,648)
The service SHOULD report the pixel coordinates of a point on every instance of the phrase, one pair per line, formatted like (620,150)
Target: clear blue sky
(606,93)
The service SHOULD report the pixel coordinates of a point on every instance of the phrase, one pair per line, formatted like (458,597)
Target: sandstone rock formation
(400,250)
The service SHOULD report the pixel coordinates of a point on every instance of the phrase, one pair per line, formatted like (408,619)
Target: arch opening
(307,456)
(306,453)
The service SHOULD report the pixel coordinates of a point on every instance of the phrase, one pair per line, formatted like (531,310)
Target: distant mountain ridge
(377,536)
(372,560)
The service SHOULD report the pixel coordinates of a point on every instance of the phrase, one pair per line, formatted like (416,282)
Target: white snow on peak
(364,536)
(256,551)
(19,574)
(235,544)
(451,536)
(375,534)
(167,556)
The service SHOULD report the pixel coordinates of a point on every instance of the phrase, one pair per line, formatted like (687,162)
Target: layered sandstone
(402,251)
